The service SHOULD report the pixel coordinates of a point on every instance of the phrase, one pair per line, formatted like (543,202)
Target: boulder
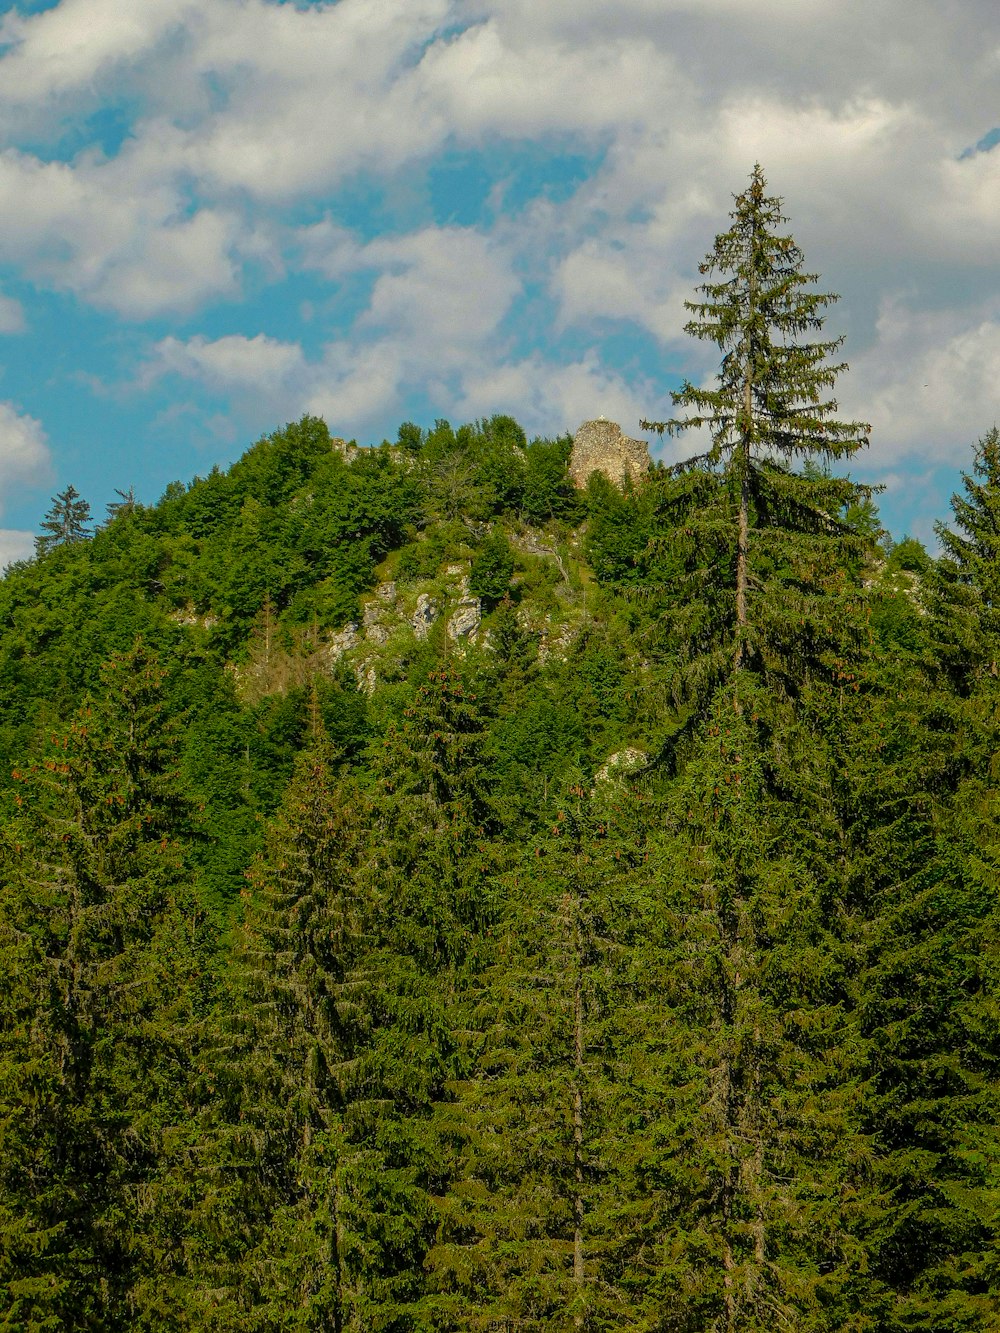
(466,619)
(424,616)
(620,764)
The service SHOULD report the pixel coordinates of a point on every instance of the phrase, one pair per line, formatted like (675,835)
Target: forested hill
(341,967)
(436,897)
(316,583)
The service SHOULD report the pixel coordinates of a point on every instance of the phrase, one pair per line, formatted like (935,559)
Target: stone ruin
(600,446)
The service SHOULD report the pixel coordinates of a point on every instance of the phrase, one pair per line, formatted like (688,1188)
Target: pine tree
(104,948)
(432,883)
(916,749)
(65,523)
(968,574)
(124,505)
(319,1157)
(779,535)
(741,1176)
(278,1247)
(524,1225)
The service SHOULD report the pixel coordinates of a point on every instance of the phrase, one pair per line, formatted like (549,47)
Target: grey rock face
(340,643)
(375,631)
(367,678)
(347,449)
(466,619)
(424,616)
(555,644)
(600,446)
(620,764)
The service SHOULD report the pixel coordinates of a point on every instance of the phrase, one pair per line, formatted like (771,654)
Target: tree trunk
(728,1258)
(743,536)
(337,1244)
(578,1270)
(743,533)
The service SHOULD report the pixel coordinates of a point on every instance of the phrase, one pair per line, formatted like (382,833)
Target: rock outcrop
(464,624)
(621,764)
(424,616)
(600,446)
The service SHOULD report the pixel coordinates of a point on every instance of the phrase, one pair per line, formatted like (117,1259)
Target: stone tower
(600,446)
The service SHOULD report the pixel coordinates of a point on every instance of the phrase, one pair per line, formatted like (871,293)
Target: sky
(221,214)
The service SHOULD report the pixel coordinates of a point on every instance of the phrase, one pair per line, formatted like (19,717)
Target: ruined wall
(600,446)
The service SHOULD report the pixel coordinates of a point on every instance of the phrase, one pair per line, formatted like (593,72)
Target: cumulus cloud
(928,383)
(15,544)
(240,113)
(444,287)
(78,42)
(261,363)
(552,399)
(437,301)
(24,450)
(11,315)
(119,240)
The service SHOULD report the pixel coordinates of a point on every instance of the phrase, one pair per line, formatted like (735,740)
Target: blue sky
(220,214)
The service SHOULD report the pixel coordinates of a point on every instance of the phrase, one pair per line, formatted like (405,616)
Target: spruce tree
(967,581)
(104,951)
(916,750)
(277,1243)
(319,1156)
(526,1222)
(778,534)
(747,1171)
(65,523)
(741,1173)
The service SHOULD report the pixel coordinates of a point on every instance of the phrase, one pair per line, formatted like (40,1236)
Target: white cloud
(11,315)
(436,305)
(232,360)
(118,237)
(442,287)
(69,47)
(553,399)
(15,544)
(242,108)
(928,384)
(24,450)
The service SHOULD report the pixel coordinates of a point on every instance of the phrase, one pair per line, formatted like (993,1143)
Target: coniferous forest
(438,897)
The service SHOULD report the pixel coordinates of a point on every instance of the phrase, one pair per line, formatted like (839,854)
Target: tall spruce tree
(918,858)
(279,1246)
(741,1170)
(968,574)
(104,955)
(778,534)
(65,523)
(758,1075)
(917,753)
(320,1155)
(526,1221)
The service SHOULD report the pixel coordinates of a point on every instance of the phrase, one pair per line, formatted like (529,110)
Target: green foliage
(778,543)
(516,1241)
(103,945)
(632,966)
(65,523)
(492,568)
(548,490)
(771,389)
(619,529)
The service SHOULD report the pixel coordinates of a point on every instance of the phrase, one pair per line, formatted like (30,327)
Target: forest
(438,897)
